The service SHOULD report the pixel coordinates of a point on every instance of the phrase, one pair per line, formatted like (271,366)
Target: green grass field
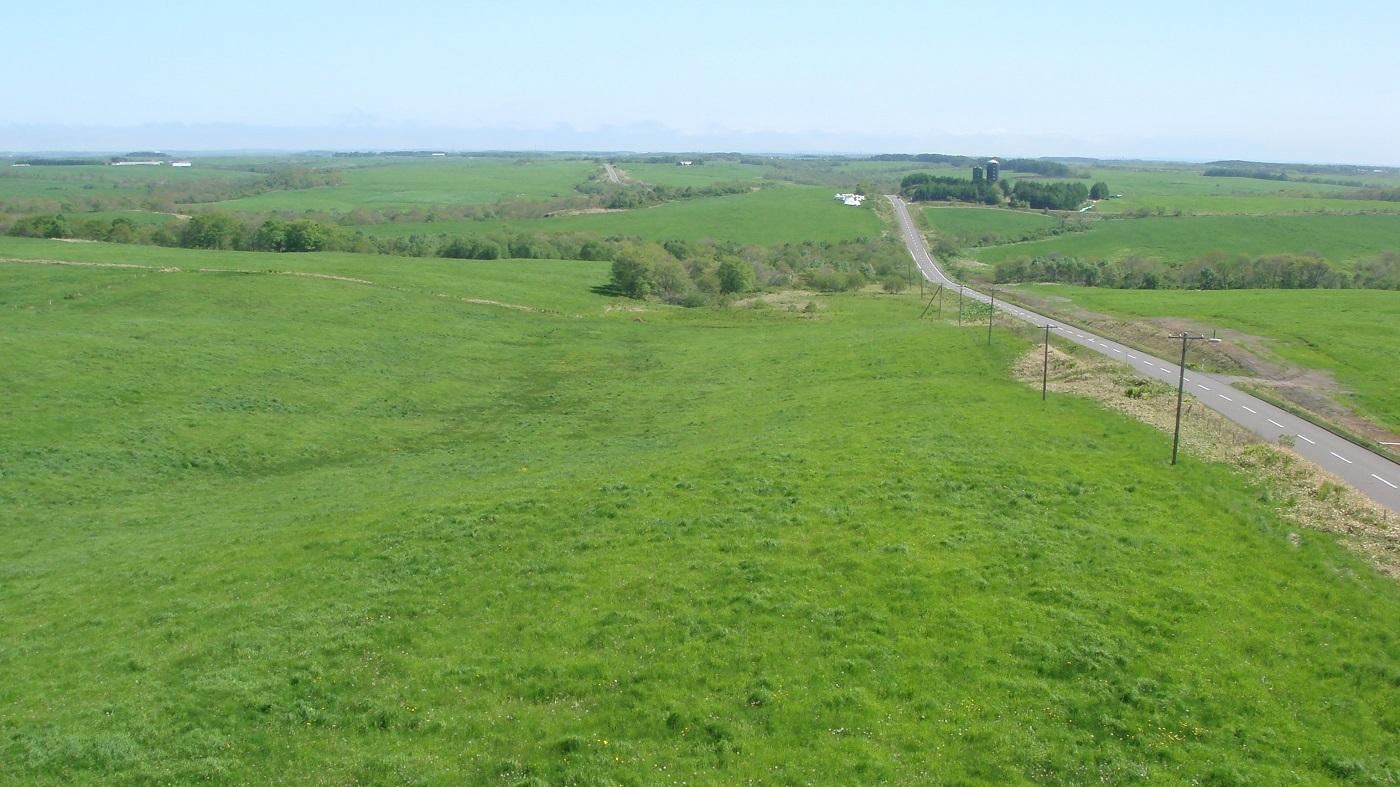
(787,214)
(276,528)
(418,182)
(1338,238)
(70,184)
(696,175)
(967,226)
(1186,189)
(1354,334)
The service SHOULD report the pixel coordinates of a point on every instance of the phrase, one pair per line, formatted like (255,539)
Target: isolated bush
(631,276)
(734,276)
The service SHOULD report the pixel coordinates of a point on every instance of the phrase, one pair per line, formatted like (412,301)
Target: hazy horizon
(1199,83)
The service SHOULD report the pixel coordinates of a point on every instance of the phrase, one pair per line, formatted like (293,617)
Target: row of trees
(923,187)
(1383,195)
(1056,195)
(678,271)
(1242,172)
(688,273)
(1053,169)
(1216,271)
(1038,194)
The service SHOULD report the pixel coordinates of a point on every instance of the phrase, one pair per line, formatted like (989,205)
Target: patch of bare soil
(792,300)
(76,264)
(73,240)
(584,211)
(623,307)
(1300,491)
(486,302)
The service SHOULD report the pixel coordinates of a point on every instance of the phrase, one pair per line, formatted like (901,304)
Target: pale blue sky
(1268,80)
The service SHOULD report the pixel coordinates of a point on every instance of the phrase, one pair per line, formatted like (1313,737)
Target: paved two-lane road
(1374,475)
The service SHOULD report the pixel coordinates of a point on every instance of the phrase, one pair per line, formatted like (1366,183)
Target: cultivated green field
(972,225)
(1187,190)
(279,528)
(1354,334)
(696,175)
(787,214)
(67,184)
(418,182)
(1338,238)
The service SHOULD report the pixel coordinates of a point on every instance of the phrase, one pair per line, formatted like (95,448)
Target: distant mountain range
(243,138)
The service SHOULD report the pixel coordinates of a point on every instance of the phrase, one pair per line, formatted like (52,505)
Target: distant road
(612,173)
(1372,474)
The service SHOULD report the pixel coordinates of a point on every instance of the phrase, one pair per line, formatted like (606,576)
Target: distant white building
(439,154)
(19,165)
(137,163)
(181,164)
(684,163)
(854,200)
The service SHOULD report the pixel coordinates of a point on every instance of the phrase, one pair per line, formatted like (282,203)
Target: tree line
(1056,195)
(710,269)
(1036,166)
(1216,271)
(637,195)
(925,187)
(691,274)
(1038,194)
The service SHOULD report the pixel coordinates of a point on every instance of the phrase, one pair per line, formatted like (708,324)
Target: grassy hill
(338,531)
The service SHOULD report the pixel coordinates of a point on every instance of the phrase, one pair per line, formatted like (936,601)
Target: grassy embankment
(1353,334)
(261,525)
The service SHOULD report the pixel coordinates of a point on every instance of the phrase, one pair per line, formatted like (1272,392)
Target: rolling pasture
(1353,334)
(69,184)
(1185,189)
(783,214)
(405,530)
(709,173)
(418,182)
(967,226)
(1339,238)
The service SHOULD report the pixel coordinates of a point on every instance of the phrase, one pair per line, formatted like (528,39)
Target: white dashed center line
(1251,409)
(1310,442)
(1226,398)
(1383,481)
(1276,423)
(1202,387)
(1339,456)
